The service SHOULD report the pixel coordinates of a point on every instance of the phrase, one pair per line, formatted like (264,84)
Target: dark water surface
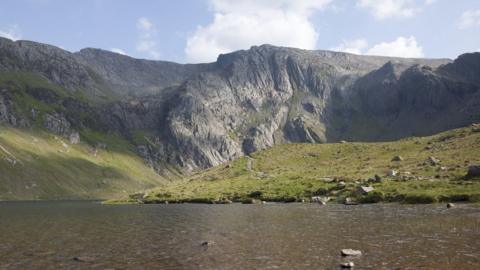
(47,235)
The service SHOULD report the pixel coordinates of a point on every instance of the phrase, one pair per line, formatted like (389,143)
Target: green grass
(292,172)
(48,167)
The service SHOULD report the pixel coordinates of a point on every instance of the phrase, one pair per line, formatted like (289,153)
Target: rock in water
(347,265)
(351,252)
(84,259)
(450,205)
(350,201)
(207,243)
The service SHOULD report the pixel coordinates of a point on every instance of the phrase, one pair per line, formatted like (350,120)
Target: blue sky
(198,30)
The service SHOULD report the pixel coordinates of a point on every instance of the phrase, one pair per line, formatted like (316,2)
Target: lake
(48,235)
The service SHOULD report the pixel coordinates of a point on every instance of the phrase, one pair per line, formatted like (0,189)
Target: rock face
(197,116)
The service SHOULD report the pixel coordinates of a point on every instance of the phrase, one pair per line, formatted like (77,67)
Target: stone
(207,243)
(392,173)
(432,161)
(473,171)
(321,199)
(397,158)
(350,201)
(450,205)
(363,190)
(351,252)
(74,138)
(347,265)
(86,259)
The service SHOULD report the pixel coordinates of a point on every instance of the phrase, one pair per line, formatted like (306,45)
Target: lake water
(48,235)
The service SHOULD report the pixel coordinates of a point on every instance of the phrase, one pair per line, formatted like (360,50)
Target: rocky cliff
(197,116)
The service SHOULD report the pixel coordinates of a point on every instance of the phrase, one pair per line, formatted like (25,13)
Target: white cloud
(144,24)
(355,46)
(12,33)
(119,51)
(241,24)
(383,9)
(146,38)
(469,18)
(429,2)
(400,47)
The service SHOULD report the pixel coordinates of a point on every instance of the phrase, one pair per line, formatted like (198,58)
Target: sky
(195,31)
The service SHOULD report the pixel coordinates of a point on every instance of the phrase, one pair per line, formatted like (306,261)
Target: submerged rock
(351,252)
(84,259)
(347,265)
(207,244)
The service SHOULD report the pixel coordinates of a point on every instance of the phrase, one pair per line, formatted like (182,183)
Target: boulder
(347,265)
(473,171)
(397,158)
(320,199)
(351,252)
(207,243)
(341,185)
(74,138)
(450,205)
(364,190)
(433,161)
(392,173)
(350,201)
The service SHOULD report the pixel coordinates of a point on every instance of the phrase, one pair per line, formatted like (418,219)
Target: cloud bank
(241,24)
(400,47)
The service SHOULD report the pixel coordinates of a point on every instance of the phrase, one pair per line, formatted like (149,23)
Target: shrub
(420,198)
(372,197)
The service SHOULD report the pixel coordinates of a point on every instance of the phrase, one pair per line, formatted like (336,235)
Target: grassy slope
(48,167)
(298,171)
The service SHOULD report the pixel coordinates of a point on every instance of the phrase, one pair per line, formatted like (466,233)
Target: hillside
(295,172)
(35,165)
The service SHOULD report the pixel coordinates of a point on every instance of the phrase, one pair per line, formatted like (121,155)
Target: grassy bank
(296,172)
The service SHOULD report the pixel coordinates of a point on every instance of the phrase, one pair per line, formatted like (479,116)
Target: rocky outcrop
(58,124)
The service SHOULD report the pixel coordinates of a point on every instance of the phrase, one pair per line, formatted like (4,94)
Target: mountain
(183,117)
